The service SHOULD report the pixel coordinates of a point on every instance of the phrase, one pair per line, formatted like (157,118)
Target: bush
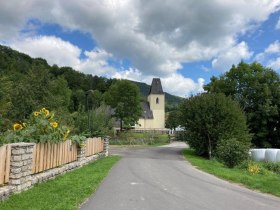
(100,122)
(231,152)
(41,127)
(209,118)
(274,167)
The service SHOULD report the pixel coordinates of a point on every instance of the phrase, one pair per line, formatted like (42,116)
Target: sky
(183,42)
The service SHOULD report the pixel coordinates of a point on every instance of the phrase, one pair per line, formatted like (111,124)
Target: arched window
(157,101)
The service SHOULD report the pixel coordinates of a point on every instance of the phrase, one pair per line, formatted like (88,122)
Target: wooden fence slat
(55,155)
(45,156)
(7,163)
(65,152)
(52,153)
(2,163)
(62,149)
(58,154)
(41,157)
(49,156)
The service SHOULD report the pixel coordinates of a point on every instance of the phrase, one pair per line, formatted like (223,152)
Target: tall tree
(173,119)
(211,118)
(257,89)
(124,97)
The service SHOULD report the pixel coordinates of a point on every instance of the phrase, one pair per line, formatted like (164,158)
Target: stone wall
(21,177)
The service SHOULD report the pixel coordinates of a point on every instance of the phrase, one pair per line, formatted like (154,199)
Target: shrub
(274,167)
(209,118)
(232,152)
(99,121)
(41,127)
(254,168)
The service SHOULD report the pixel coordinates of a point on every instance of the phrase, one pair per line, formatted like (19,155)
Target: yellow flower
(36,114)
(17,126)
(54,124)
(253,168)
(47,112)
(24,125)
(66,134)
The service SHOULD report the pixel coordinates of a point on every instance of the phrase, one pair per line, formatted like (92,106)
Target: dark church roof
(147,112)
(156,87)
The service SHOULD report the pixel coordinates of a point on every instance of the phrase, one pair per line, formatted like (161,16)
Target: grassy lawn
(267,182)
(65,191)
(140,139)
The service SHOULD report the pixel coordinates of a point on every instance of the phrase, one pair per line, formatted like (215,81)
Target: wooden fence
(94,146)
(5,157)
(46,156)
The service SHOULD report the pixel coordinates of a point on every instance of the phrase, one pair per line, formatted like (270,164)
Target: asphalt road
(160,178)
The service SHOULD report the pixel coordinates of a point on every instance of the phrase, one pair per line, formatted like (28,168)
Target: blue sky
(184,42)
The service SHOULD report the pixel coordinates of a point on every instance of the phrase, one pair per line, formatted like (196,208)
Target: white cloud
(273,48)
(274,63)
(231,56)
(63,53)
(155,36)
(53,49)
(96,63)
(174,83)
(270,56)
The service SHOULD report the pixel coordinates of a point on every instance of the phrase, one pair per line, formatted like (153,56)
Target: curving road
(159,178)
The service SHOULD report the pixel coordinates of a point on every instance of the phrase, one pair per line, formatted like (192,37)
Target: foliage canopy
(124,97)
(210,119)
(257,89)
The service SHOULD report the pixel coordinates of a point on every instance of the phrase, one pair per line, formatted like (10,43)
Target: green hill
(28,84)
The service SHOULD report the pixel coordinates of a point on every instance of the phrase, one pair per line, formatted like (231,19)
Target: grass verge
(64,192)
(268,182)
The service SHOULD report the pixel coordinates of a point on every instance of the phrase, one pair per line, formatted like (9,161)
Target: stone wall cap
(22,144)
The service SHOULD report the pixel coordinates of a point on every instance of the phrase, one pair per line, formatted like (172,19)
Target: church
(153,116)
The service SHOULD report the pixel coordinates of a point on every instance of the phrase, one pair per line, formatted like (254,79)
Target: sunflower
(47,112)
(17,126)
(54,124)
(36,114)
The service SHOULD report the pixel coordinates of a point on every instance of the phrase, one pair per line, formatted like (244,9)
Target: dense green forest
(28,84)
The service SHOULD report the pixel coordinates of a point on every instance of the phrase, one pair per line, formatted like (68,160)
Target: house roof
(156,87)
(147,112)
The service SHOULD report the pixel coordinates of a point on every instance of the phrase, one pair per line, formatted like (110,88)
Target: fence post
(21,165)
(106,145)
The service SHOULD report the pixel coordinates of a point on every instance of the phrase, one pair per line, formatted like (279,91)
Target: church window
(157,101)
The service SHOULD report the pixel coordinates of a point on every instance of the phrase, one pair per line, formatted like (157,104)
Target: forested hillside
(28,84)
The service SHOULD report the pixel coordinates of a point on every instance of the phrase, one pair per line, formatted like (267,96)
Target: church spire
(156,87)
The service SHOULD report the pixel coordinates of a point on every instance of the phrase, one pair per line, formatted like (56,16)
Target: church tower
(156,99)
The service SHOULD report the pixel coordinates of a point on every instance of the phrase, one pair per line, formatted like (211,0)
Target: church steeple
(156,87)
